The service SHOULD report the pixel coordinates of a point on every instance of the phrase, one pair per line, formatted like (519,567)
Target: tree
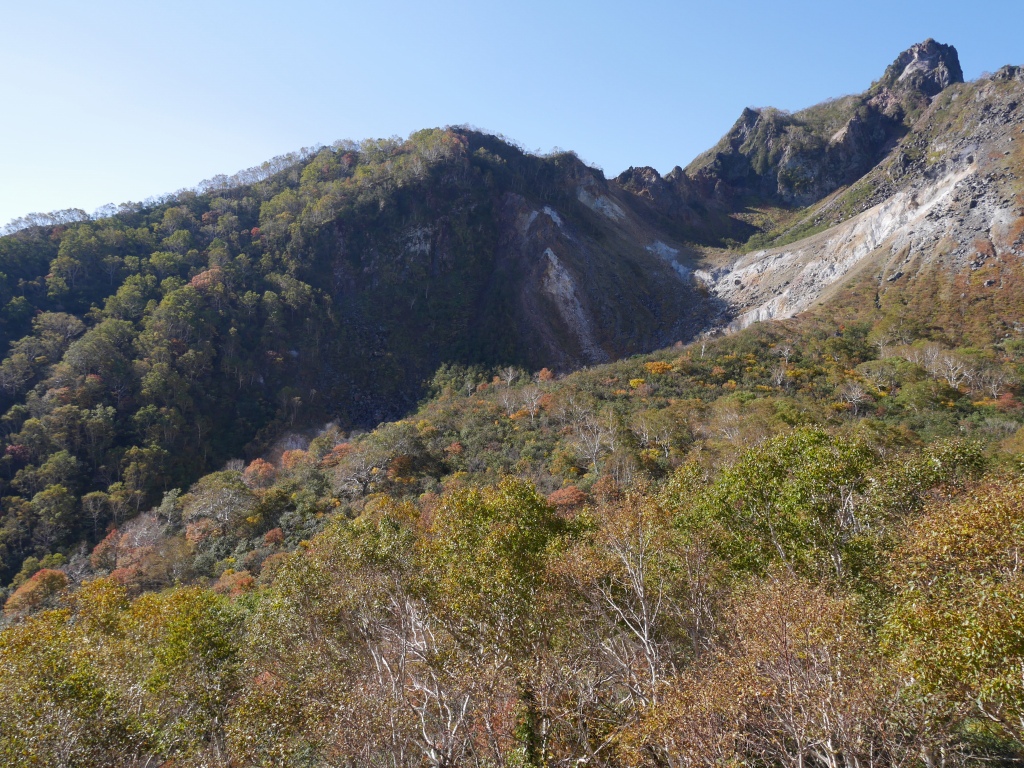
(61,707)
(97,506)
(594,435)
(484,558)
(509,374)
(259,474)
(634,574)
(15,372)
(363,466)
(530,398)
(188,641)
(793,499)
(40,587)
(794,681)
(992,379)
(654,430)
(54,508)
(853,394)
(320,645)
(221,497)
(957,625)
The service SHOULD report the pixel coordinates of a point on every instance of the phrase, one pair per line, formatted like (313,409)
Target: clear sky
(110,101)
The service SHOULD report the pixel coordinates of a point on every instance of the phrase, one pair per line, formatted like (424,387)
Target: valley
(433,451)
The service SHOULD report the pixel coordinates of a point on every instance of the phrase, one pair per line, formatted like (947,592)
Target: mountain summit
(799,158)
(928,67)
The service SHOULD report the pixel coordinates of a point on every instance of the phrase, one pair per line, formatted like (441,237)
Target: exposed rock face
(593,279)
(674,196)
(797,159)
(931,181)
(927,67)
(669,195)
(958,207)
(783,282)
(1009,73)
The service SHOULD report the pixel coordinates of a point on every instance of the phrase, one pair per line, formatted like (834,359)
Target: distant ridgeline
(217,183)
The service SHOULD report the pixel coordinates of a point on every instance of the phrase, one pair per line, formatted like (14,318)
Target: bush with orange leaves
(291,460)
(568,499)
(104,554)
(336,455)
(35,592)
(234,583)
(207,278)
(274,537)
(259,474)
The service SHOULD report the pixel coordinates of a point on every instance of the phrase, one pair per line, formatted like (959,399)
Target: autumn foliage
(35,592)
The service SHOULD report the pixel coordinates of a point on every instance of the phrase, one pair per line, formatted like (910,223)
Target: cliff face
(535,261)
(947,200)
(796,159)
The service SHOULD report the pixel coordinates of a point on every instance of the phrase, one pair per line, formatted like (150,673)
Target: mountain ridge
(283,481)
(147,348)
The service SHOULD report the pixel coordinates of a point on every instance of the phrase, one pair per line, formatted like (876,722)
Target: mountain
(434,452)
(798,158)
(144,349)
(942,208)
(152,346)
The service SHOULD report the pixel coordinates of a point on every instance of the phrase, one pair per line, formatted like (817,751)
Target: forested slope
(146,348)
(435,452)
(654,560)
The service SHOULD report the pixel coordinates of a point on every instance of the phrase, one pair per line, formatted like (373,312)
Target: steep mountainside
(784,543)
(945,205)
(143,349)
(799,158)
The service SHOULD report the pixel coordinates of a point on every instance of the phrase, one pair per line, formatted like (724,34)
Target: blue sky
(113,101)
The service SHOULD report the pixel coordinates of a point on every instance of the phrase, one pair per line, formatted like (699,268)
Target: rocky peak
(667,192)
(927,67)
(1009,73)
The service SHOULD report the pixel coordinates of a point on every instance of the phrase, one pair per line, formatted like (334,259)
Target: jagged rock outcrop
(927,68)
(920,171)
(672,194)
(797,159)
(947,200)
(1009,73)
